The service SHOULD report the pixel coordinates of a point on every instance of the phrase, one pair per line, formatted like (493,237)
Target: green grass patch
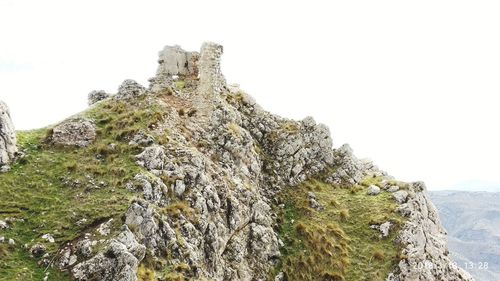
(336,243)
(180,84)
(68,191)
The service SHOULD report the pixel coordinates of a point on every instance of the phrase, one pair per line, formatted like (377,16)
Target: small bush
(378,255)
(182,267)
(180,84)
(104,150)
(300,228)
(4,250)
(192,112)
(145,274)
(344,214)
(355,189)
(334,203)
(70,166)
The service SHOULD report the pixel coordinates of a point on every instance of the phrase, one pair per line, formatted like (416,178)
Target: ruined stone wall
(174,60)
(211,79)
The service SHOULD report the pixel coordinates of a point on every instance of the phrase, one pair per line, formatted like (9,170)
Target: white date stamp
(482,265)
(427,265)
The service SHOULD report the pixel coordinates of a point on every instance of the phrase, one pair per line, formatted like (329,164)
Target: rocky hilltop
(190,179)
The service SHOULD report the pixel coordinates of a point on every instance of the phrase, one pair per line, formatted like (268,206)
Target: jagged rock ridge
(206,196)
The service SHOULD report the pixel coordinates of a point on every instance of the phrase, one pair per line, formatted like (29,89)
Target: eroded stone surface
(206,193)
(96,96)
(79,132)
(173,60)
(423,242)
(349,169)
(8,148)
(130,89)
(118,262)
(211,78)
(373,190)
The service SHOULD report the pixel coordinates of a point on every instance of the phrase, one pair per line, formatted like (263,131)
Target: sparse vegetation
(64,191)
(336,243)
(234,129)
(177,208)
(180,84)
(367,181)
(68,191)
(290,127)
(145,274)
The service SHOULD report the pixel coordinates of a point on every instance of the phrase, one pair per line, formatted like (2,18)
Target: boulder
(349,169)
(373,190)
(400,196)
(313,201)
(84,248)
(48,237)
(119,261)
(96,96)
(152,158)
(8,149)
(393,188)
(37,250)
(3,225)
(384,228)
(79,132)
(130,89)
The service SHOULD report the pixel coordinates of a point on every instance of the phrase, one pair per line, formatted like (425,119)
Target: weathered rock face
(8,147)
(130,89)
(211,78)
(96,96)
(423,241)
(118,262)
(173,60)
(350,170)
(207,193)
(77,132)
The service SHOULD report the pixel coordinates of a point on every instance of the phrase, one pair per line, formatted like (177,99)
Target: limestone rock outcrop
(119,261)
(130,89)
(78,132)
(349,169)
(8,148)
(423,242)
(96,96)
(207,194)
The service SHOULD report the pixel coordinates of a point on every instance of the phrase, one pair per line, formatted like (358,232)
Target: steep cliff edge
(190,179)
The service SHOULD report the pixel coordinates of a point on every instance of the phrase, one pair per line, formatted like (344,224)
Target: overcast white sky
(413,85)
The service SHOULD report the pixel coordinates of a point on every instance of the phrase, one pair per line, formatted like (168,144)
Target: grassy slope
(52,187)
(336,243)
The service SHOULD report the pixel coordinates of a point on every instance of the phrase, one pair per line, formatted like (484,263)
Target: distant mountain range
(472,220)
(475,185)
